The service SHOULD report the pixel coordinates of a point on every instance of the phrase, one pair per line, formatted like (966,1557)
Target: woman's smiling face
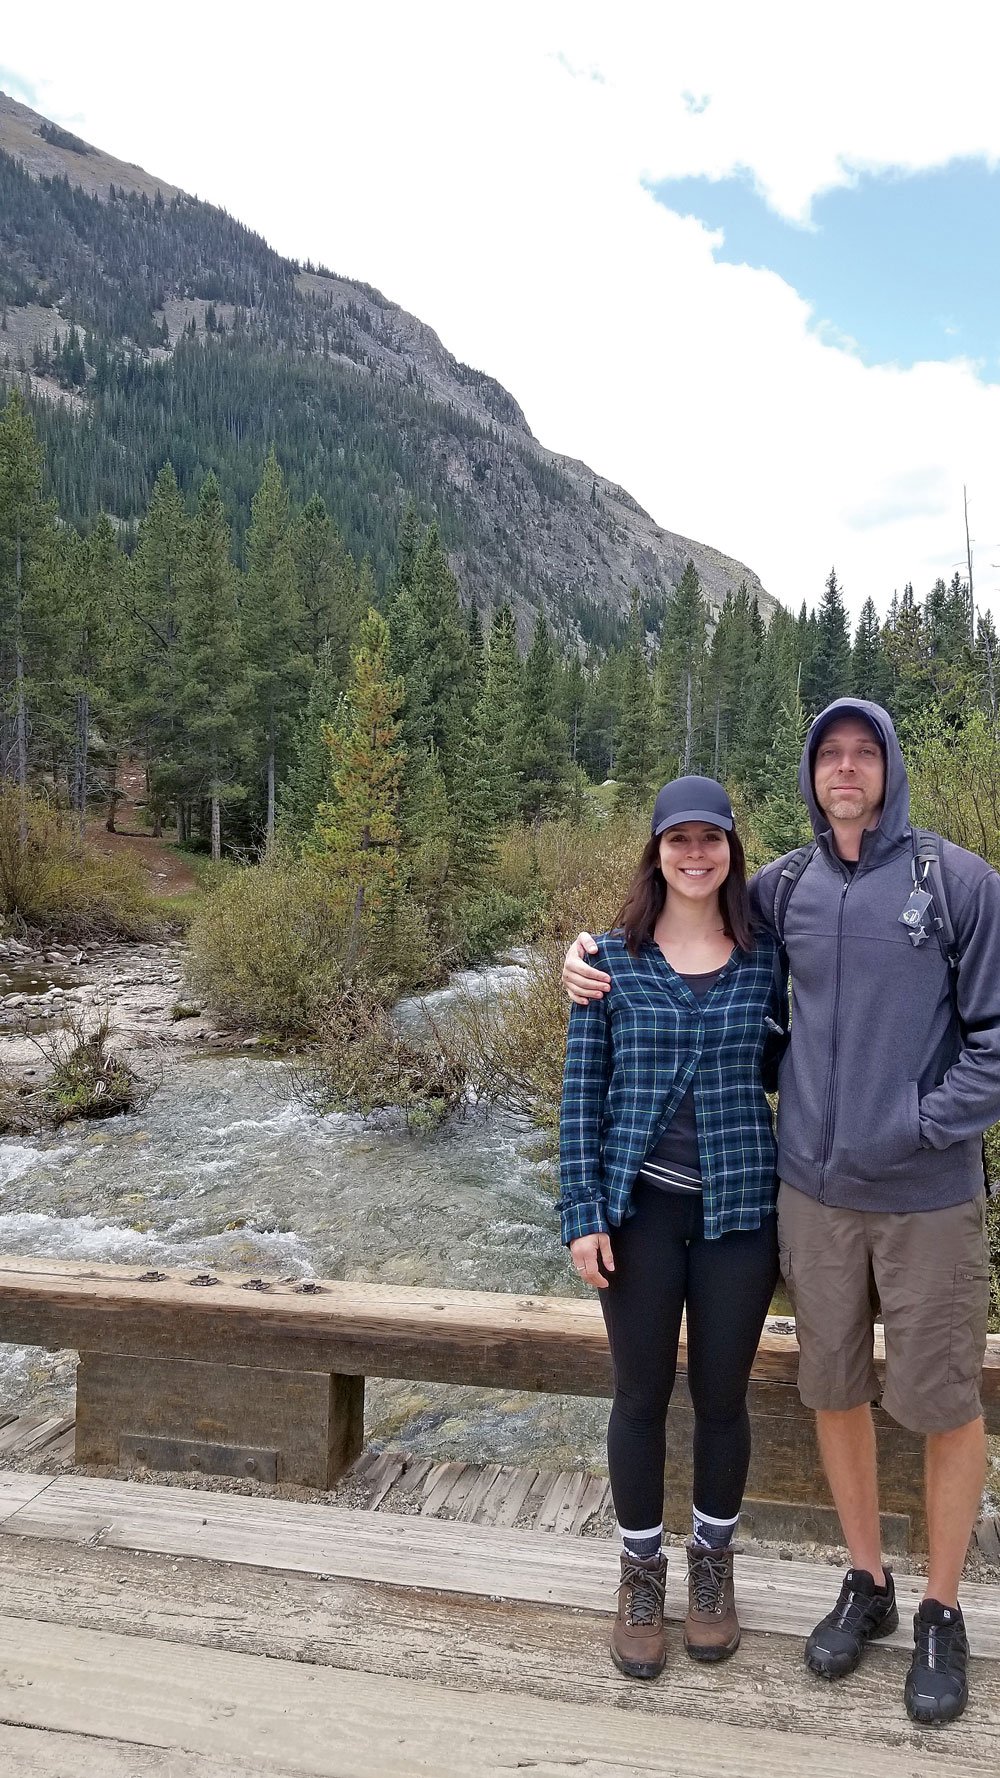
(694,859)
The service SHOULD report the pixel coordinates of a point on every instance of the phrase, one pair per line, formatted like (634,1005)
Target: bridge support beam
(297,1426)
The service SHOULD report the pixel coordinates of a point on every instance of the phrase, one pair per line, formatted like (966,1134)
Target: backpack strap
(928,874)
(795,864)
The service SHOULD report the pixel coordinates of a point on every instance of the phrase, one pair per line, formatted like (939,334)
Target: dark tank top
(674,1165)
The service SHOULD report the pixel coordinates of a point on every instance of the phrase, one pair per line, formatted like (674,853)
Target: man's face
(849,772)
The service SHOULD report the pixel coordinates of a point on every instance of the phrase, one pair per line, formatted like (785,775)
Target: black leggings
(662,1264)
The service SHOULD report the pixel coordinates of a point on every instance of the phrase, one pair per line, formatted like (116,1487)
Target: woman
(668,1192)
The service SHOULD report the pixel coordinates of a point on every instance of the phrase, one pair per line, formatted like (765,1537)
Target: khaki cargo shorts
(928,1270)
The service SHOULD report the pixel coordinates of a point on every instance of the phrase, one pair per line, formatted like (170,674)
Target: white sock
(712,1534)
(643,1544)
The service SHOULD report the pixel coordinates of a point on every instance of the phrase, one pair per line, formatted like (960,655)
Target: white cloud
(486,170)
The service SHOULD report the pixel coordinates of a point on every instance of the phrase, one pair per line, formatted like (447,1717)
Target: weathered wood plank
(45,1436)
(513,1489)
(383,1475)
(419,1552)
(988,1539)
(17,1488)
(289,1718)
(37,1753)
(565,1491)
(19,1428)
(591,1502)
(485,1337)
(475,1644)
(473,1501)
(490,1338)
(440,1483)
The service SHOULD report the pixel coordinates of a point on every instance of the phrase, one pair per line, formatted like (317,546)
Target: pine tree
(573,701)
(477,651)
(987,663)
(449,681)
(952,657)
(24,520)
(90,614)
(497,717)
(678,690)
(829,671)
(272,623)
(212,692)
(871,676)
(542,745)
(908,654)
(635,741)
(327,588)
(734,659)
(357,831)
(782,817)
(771,696)
(156,659)
(307,781)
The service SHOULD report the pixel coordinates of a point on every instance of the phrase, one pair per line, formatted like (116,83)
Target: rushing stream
(229,1167)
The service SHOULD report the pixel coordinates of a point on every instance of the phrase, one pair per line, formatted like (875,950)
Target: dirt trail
(167,869)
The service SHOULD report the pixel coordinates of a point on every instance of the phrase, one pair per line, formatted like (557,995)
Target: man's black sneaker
(936,1688)
(862,1613)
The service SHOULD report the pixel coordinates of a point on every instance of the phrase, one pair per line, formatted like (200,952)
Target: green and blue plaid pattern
(631,1057)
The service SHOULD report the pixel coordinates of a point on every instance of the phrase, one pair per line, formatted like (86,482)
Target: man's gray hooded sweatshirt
(883,1099)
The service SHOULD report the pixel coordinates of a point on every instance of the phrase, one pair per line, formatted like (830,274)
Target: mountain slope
(197,342)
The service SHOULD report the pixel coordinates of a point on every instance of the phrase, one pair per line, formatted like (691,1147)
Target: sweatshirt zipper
(831,1096)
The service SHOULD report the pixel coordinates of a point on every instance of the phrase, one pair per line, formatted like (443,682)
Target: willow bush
(268,948)
(51,884)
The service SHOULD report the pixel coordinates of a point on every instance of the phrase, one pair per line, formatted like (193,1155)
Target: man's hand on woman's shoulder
(582,982)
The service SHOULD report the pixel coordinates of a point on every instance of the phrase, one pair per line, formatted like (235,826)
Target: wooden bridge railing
(239,1376)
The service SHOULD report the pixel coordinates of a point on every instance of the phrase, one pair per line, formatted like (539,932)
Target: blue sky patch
(16,85)
(907,266)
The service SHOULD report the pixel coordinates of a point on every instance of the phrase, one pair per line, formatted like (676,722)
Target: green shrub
(494,918)
(366,1064)
(88,1080)
(52,885)
(511,1044)
(267,948)
(578,872)
(955,782)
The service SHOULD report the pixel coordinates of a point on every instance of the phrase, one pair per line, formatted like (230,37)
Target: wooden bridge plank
(420,1552)
(289,1718)
(17,1488)
(513,1489)
(476,1644)
(35,1753)
(591,1502)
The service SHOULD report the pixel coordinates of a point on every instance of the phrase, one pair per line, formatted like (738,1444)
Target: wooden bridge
(414,1639)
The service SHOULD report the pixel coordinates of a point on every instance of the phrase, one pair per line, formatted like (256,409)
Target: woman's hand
(585,1252)
(581,982)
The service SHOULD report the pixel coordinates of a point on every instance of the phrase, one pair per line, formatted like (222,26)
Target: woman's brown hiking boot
(711,1628)
(637,1645)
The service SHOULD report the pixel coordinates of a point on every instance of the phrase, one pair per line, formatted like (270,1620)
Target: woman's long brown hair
(647,893)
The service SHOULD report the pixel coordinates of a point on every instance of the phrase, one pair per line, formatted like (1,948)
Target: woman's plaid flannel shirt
(630,1059)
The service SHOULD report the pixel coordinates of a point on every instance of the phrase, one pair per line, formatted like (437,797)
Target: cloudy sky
(742,260)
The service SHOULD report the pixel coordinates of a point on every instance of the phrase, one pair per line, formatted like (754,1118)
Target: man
(891,1075)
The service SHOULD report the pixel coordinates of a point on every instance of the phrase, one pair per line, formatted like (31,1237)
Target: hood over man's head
(894,820)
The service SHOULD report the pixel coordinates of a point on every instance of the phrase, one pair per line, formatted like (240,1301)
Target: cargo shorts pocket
(970,1305)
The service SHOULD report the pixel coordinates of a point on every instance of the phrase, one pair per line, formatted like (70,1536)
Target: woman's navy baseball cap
(692,799)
